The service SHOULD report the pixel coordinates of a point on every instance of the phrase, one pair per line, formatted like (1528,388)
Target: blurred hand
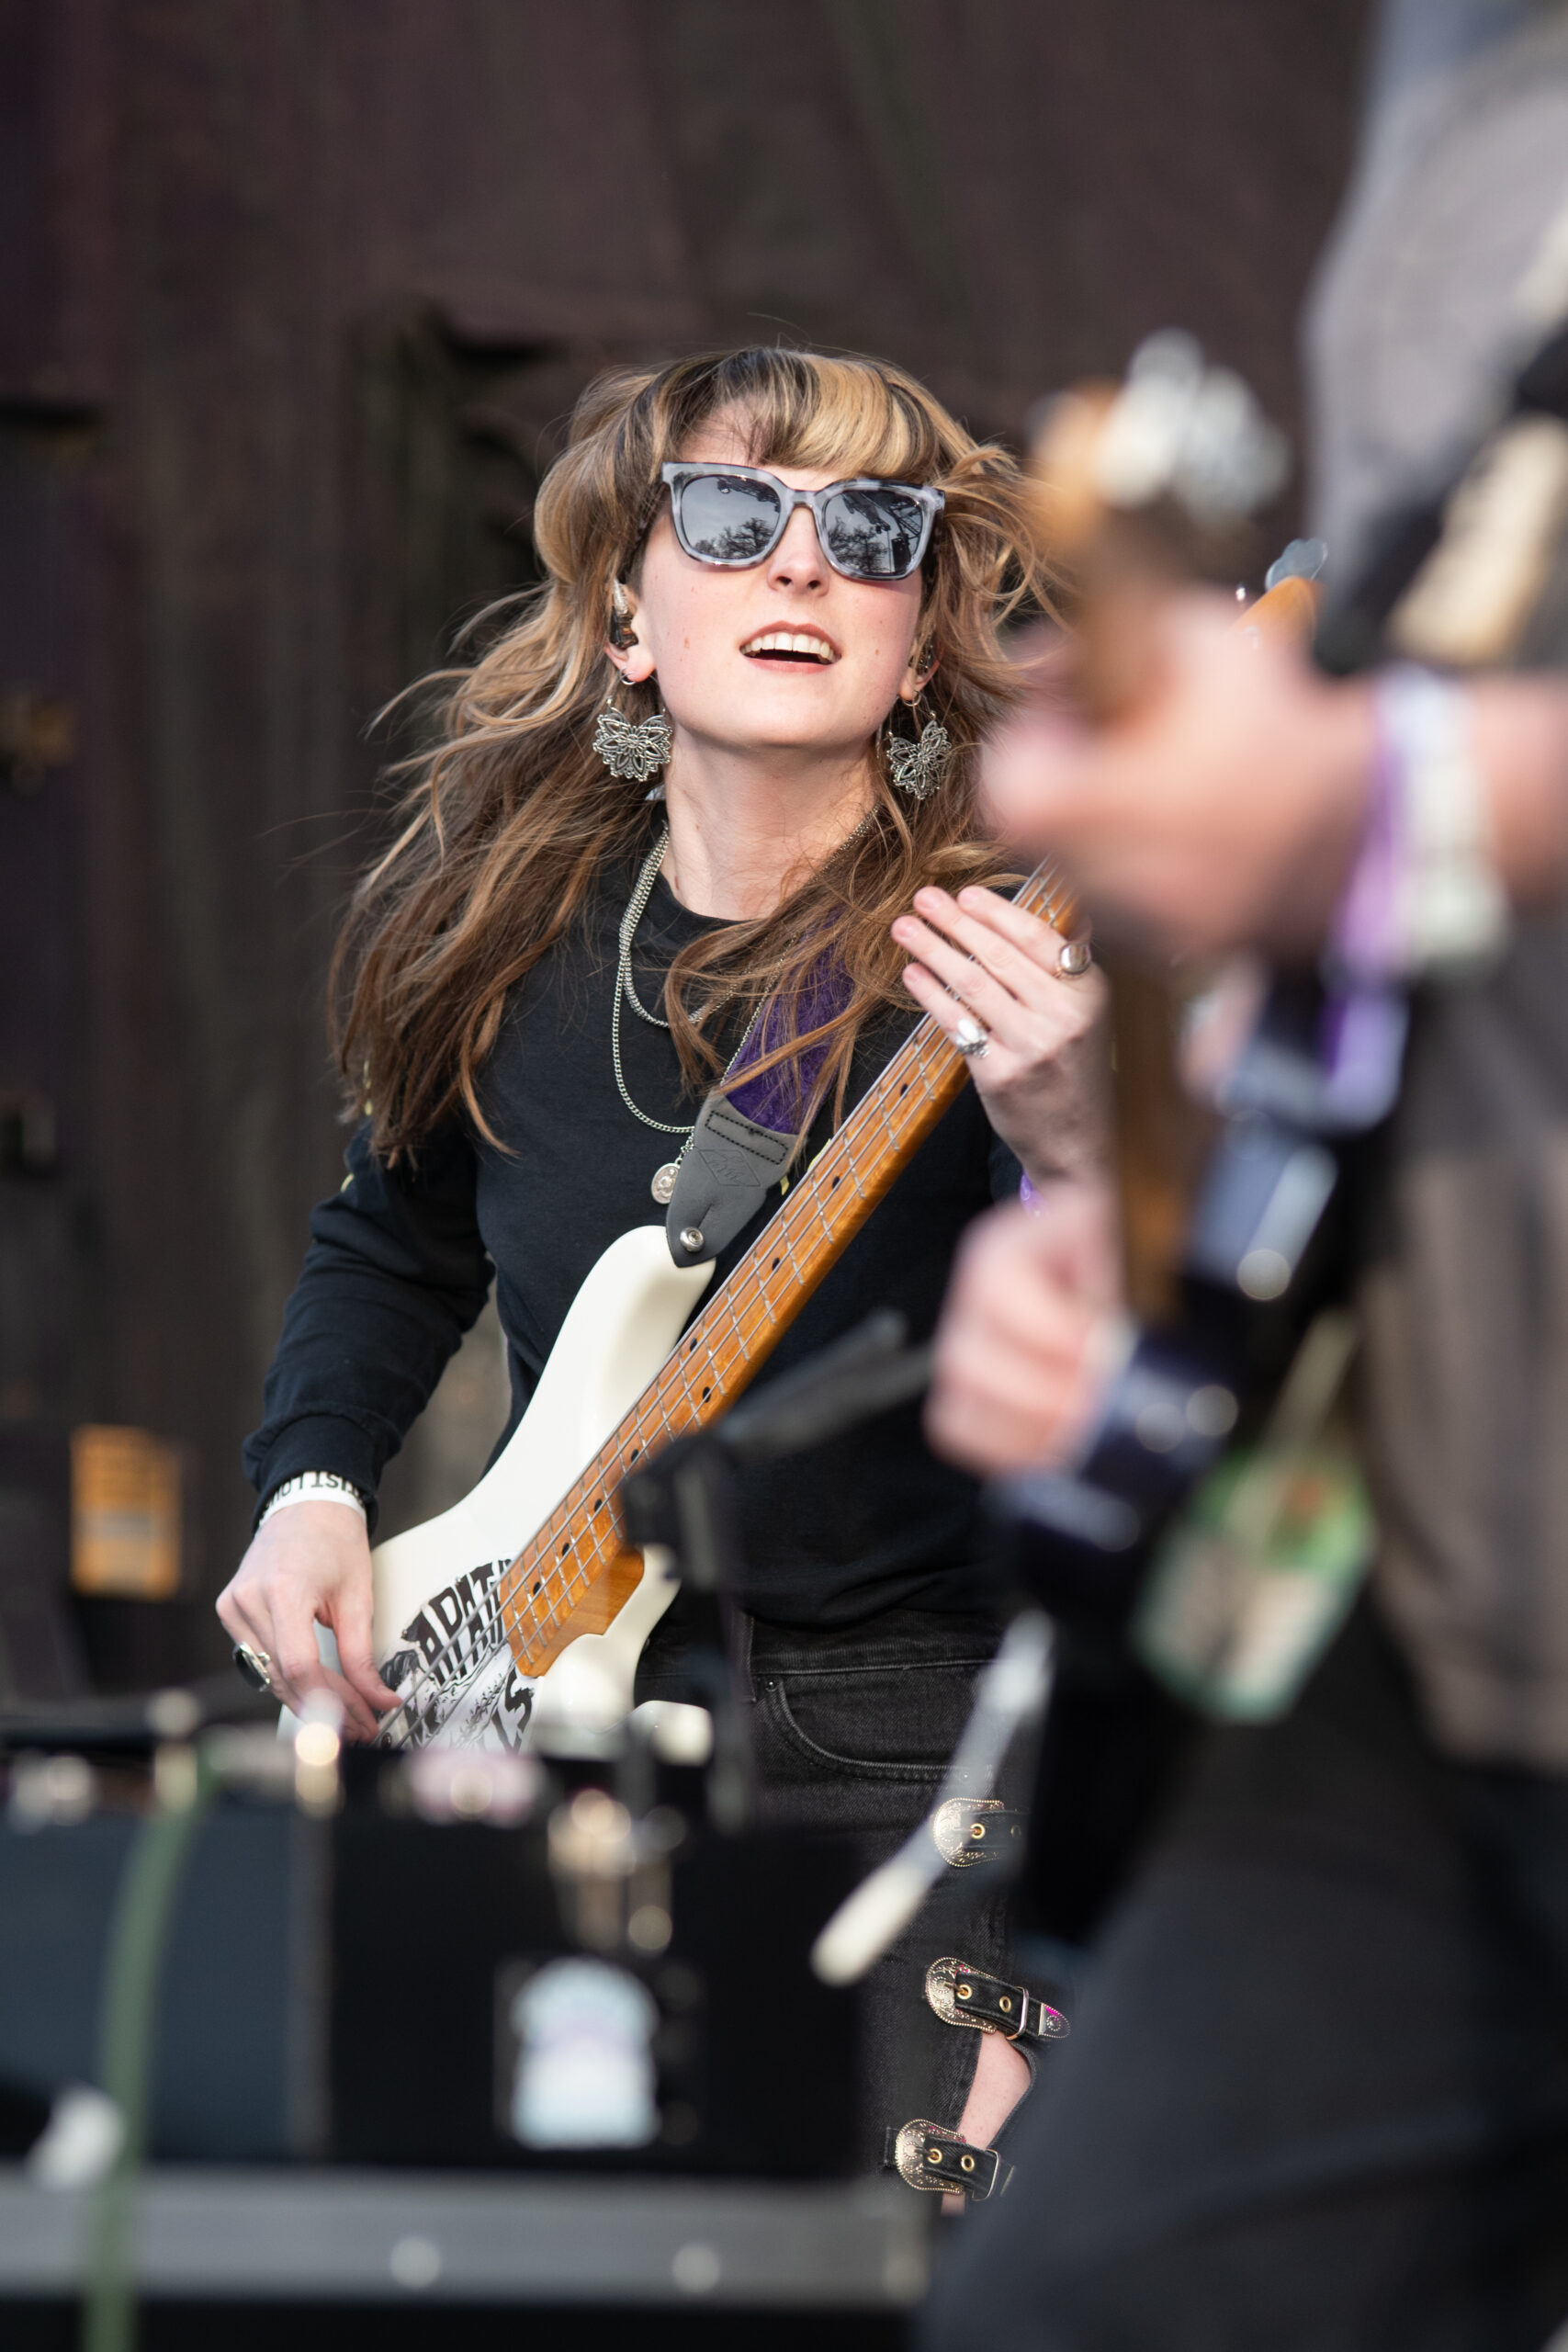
(309,1565)
(1044,1075)
(1222,811)
(1022,1351)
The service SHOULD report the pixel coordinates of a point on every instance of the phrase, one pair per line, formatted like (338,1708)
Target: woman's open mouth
(790,645)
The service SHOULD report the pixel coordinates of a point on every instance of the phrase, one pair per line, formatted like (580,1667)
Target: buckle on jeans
(964,1995)
(975,1829)
(929,2157)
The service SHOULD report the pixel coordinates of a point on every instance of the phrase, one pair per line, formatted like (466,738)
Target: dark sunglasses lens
(726,519)
(874,534)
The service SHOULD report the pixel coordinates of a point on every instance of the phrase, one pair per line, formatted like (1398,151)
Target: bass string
(744,1291)
(881,1118)
(744,1295)
(889,1114)
(750,1314)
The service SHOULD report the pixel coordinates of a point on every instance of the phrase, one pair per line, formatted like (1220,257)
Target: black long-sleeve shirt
(400,1262)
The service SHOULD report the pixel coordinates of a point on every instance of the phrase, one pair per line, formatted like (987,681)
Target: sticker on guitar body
(455,1679)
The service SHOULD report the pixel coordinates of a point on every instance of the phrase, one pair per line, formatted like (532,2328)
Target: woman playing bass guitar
(772,587)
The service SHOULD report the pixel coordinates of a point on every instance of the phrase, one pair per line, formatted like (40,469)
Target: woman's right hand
(309,1565)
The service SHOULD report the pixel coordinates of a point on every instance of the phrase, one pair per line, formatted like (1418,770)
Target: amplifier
(393,1980)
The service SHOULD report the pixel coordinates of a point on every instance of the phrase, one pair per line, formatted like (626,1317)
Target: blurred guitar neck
(1141,487)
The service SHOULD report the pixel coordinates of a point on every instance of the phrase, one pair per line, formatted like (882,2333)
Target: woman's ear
(632,659)
(922,669)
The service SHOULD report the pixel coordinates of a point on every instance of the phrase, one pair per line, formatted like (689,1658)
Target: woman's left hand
(1043,1076)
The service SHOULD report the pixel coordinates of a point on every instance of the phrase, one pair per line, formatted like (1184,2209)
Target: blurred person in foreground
(1317,2093)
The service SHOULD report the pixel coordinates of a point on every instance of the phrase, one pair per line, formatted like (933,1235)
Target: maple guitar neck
(575,1573)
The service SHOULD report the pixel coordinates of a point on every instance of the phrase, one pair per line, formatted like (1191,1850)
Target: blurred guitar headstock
(1142,484)
(1138,487)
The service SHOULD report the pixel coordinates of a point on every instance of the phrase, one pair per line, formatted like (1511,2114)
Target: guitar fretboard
(737,1328)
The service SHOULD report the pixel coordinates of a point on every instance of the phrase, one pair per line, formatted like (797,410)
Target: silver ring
(1075,959)
(970,1040)
(255,1666)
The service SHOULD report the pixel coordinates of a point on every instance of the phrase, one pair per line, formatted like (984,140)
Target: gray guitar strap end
(728,1169)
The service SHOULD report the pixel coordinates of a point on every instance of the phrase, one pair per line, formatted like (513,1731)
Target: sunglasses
(734,515)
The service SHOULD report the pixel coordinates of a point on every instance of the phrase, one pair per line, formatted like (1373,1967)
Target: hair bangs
(846,417)
(841,415)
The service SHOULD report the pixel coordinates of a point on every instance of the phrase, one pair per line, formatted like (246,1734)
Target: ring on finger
(1073,960)
(970,1038)
(253,1667)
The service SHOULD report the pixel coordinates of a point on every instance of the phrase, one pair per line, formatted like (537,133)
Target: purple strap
(777,1098)
(1363,942)
(1365,1018)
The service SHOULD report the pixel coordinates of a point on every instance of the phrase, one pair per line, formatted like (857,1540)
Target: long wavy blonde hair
(511,819)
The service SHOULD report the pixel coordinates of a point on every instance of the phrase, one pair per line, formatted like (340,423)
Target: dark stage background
(294,296)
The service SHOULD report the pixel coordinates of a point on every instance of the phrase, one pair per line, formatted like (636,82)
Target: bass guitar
(524,1604)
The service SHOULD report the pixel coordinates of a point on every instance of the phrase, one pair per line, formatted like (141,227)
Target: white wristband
(1450,911)
(1424,898)
(313,1487)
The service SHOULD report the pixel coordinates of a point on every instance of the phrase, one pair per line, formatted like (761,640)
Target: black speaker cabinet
(376,1988)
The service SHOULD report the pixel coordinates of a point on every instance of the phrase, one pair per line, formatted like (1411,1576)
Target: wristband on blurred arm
(313,1487)
(1424,899)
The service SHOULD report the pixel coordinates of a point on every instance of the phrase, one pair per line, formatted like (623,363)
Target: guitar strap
(727,1171)
(745,1138)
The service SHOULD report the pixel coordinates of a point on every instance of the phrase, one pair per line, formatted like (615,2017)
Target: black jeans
(1317,2096)
(852,1729)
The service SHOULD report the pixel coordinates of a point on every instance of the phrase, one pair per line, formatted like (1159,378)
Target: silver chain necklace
(663,1183)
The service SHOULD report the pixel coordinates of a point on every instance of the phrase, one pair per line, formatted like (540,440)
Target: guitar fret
(736,1327)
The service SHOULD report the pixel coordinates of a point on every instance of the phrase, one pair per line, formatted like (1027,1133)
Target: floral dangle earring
(919,764)
(634,749)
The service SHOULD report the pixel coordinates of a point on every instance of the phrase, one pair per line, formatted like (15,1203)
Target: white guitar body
(437,1637)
